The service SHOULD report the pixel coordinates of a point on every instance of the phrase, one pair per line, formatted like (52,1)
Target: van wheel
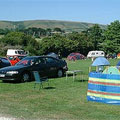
(60,73)
(25,77)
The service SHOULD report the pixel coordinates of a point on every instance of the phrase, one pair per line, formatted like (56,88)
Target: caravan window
(93,53)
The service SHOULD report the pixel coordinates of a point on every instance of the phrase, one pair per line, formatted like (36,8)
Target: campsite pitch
(62,100)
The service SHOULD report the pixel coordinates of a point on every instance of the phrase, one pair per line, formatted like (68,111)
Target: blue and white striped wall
(104,88)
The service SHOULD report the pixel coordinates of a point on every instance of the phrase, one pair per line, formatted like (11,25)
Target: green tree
(13,38)
(112,38)
(57,29)
(57,44)
(95,36)
(4,31)
(82,42)
(21,39)
(48,31)
(35,32)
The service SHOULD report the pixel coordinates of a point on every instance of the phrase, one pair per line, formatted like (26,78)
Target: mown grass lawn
(63,100)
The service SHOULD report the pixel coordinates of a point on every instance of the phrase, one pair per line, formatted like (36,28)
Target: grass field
(63,100)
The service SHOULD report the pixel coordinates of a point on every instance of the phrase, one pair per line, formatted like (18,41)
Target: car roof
(39,56)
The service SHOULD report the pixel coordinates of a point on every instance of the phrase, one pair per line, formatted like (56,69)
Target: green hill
(68,26)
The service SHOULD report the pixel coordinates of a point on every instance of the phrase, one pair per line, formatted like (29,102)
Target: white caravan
(94,54)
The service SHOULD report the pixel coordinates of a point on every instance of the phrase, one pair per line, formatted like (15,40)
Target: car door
(40,66)
(51,66)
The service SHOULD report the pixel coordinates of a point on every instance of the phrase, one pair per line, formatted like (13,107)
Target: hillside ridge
(67,26)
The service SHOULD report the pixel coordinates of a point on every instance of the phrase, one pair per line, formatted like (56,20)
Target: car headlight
(12,72)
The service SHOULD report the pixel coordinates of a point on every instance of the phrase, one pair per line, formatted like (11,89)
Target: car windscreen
(4,60)
(26,62)
(21,57)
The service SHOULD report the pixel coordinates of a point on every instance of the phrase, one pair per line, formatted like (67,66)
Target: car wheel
(25,77)
(60,73)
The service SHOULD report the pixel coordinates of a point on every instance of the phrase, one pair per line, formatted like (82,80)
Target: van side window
(96,53)
(15,52)
(93,53)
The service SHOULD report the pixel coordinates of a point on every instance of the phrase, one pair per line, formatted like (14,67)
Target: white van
(94,54)
(15,55)
(16,52)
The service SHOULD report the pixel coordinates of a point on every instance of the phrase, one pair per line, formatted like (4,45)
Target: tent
(118,55)
(100,61)
(118,64)
(75,56)
(111,70)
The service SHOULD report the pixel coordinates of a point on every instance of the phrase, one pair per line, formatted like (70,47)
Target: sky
(90,11)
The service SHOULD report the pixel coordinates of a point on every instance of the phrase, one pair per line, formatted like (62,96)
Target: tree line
(94,38)
(34,32)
